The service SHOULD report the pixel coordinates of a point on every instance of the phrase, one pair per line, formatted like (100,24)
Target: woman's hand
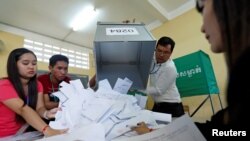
(141,128)
(51,132)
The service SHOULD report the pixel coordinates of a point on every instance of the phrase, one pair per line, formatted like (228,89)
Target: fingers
(141,124)
(55,110)
(133,128)
(58,109)
(64,131)
(52,113)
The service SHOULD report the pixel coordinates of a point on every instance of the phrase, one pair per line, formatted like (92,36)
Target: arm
(30,116)
(49,104)
(42,111)
(43,81)
(165,80)
(40,107)
(92,81)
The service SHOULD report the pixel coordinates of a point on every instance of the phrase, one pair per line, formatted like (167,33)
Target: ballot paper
(161,117)
(100,107)
(77,84)
(181,129)
(104,84)
(141,100)
(116,112)
(122,85)
(125,126)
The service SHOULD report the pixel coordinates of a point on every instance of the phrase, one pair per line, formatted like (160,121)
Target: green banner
(195,75)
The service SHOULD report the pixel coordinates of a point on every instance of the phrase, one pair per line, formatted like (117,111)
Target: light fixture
(83,18)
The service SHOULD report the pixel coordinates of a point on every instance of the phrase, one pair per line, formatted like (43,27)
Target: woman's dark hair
(14,78)
(234,22)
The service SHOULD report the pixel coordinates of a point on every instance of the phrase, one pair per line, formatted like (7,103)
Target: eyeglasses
(200,5)
(158,51)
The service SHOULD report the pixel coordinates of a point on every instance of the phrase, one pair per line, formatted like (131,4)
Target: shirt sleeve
(39,87)
(7,92)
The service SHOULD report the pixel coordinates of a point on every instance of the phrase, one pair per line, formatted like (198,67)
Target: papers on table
(181,129)
(107,115)
(91,132)
(113,110)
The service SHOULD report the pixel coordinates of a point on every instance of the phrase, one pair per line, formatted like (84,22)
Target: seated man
(58,66)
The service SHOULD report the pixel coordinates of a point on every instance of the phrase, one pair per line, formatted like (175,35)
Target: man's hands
(141,128)
(51,113)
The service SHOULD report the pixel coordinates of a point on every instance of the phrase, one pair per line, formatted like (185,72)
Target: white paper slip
(124,116)
(122,86)
(104,84)
(141,100)
(77,84)
(162,117)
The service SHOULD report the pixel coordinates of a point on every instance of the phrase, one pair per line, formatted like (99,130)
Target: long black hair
(14,78)
(234,21)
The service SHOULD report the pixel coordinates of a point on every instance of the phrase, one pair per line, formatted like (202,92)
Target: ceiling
(52,18)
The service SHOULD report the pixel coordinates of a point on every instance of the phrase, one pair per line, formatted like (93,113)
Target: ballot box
(123,50)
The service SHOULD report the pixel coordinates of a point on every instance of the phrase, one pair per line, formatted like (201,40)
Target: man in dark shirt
(58,66)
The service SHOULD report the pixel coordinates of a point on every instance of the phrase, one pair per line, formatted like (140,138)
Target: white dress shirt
(162,85)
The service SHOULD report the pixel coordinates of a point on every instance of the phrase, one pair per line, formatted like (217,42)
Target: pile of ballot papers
(110,108)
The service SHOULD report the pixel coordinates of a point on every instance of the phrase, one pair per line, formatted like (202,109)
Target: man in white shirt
(163,76)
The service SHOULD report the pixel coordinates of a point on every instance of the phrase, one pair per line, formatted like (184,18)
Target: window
(43,51)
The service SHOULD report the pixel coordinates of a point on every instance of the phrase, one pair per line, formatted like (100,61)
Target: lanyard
(52,86)
(153,71)
(53,90)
